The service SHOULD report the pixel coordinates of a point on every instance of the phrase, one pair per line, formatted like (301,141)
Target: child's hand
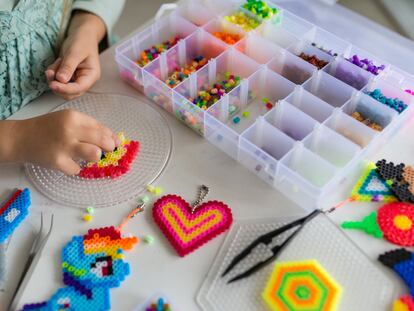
(77,69)
(57,139)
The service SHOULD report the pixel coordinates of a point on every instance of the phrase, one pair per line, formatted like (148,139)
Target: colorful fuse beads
(312,59)
(13,212)
(394,103)
(301,285)
(401,177)
(92,264)
(402,262)
(187,230)
(243,20)
(260,8)
(153,52)
(159,305)
(366,64)
(113,164)
(371,187)
(180,74)
(393,221)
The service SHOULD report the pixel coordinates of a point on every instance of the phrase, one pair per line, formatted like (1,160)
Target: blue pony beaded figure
(91,264)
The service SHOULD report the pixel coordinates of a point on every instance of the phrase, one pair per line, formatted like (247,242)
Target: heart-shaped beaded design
(187,230)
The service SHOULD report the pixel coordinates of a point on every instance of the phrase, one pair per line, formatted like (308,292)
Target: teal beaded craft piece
(13,212)
(92,264)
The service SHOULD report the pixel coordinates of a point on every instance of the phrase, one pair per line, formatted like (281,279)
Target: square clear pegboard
(288,119)
(364,285)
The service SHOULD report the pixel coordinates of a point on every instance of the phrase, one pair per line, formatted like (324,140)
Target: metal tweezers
(34,256)
(266,240)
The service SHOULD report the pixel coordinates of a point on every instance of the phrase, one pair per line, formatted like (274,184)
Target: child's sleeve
(108,10)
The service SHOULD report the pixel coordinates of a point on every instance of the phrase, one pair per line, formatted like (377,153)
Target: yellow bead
(87,217)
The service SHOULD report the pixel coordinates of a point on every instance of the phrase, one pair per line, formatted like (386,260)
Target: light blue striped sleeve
(108,10)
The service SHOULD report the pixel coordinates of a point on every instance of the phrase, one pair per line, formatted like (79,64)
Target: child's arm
(55,140)
(77,68)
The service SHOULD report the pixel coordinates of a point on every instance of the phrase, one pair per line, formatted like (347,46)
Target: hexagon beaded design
(301,286)
(91,265)
(115,163)
(187,230)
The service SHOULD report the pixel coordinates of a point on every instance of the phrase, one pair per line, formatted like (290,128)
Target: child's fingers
(99,139)
(51,70)
(87,152)
(68,166)
(68,66)
(67,90)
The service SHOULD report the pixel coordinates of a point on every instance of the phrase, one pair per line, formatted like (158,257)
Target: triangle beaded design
(371,187)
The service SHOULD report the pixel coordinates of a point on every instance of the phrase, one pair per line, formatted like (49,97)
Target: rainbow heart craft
(115,163)
(187,230)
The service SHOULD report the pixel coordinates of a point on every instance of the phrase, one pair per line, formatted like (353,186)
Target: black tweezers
(266,239)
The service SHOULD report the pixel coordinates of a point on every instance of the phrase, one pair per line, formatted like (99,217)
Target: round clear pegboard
(139,121)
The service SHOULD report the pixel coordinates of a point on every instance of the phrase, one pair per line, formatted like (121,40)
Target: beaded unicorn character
(91,264)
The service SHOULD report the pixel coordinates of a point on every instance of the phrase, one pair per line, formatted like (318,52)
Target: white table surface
(194,161)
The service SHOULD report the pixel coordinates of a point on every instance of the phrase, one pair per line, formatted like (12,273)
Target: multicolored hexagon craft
(301,285)
(113,164)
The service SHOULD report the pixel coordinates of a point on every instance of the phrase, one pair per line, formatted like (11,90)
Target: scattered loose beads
(154,190)
(394,103)
(366,64)
(312,59)
(260,8)
(242,20)
(87,218)
(359,117)
(149,239)
(207,98)
(267,103)
(232,109)
(152,53)
(160,305)
(246,114)
(229,38)
(90,210)
(236,120)
(144,199)
(180,74)
(320,47)
(410,92)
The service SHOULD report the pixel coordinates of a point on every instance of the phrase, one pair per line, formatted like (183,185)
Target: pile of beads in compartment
(394,103)
(366,64)
(260,9)
(312,59)
(180,74)
(320,47)
(153,52)
(359,117)
(242,20)
(229,38)
(208,97)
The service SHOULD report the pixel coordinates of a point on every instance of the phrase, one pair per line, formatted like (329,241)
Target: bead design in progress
(113,164)
(92,264)
(13,212)
(187,230)
(371,187)
(392,221)
(401,261)
(301,285)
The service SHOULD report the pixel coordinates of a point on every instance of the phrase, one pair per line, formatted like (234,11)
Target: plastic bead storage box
(300,126)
